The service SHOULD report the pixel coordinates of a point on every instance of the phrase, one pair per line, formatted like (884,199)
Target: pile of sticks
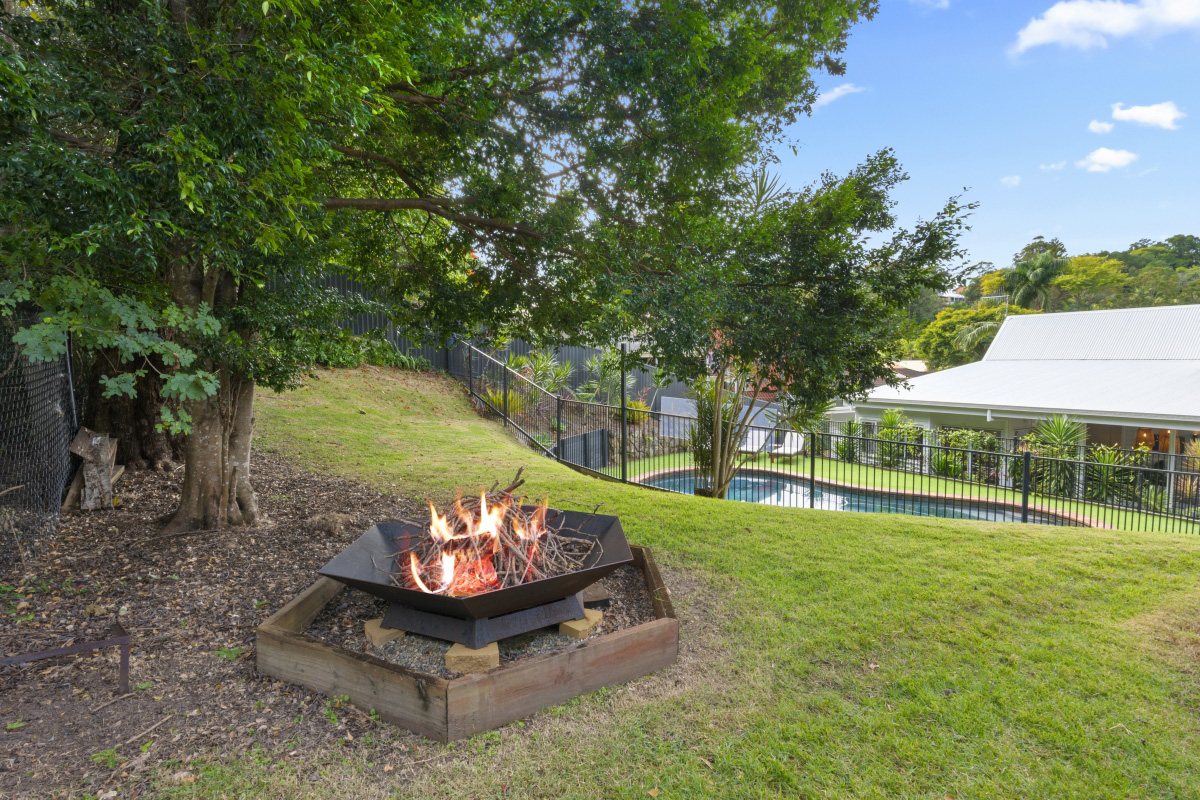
(527,546)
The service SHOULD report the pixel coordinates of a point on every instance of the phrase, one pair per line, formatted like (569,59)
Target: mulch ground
(192,604)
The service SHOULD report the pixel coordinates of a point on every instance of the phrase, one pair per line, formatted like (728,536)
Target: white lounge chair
(755,441)
(792,445)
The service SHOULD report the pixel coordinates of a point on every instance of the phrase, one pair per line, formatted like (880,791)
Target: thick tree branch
(379,158)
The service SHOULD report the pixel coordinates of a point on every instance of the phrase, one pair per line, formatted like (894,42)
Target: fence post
(470,370)
(446,355)
(1028,458)
(504,392)
(558,428)
(812,470)
(624,423)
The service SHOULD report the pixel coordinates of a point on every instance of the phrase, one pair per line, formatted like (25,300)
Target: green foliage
(894,434)
(230,653)
(847,449)
(184,221)
(1056,441)
(517,402)
(542,367)
(345,349)
(938,344)
(106,758)
(1030,282)
(948,464)
(981,464)
(637,411)
(605,376)
(791,286)
(15,725)
(1105,473)
(1091,281)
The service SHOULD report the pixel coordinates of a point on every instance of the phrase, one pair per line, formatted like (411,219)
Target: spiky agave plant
(1056,440)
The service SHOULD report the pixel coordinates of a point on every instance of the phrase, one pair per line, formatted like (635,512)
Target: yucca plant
(1056,440)
(847,448)
(1106,473)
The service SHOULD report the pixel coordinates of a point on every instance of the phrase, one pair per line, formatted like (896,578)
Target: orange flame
(464,562)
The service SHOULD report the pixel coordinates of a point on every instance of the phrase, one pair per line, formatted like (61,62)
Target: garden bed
(447,709)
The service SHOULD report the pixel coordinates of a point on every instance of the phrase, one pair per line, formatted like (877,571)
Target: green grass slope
(825,653)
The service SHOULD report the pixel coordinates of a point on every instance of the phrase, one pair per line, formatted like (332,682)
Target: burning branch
(490,542)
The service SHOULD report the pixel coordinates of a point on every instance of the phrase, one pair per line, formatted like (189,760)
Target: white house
(1132,375)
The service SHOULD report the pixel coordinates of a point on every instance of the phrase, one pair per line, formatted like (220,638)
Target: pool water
(754,486)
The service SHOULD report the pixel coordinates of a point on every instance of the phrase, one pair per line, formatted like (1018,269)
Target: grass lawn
(870,476)
(824,654)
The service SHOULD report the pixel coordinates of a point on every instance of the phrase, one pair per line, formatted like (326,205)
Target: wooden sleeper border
(452,709)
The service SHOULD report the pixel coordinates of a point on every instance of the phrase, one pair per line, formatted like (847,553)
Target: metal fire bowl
(367,564)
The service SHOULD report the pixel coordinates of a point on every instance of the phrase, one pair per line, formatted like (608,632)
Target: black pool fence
(890,471)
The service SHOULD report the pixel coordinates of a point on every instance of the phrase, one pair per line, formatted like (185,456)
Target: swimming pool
(772,488)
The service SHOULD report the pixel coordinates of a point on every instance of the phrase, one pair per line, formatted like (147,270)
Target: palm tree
(1031,280)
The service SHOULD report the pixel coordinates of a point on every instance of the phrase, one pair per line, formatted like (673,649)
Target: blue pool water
(755,486)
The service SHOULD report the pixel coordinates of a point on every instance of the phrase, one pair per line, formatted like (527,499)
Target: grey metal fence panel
(588,450)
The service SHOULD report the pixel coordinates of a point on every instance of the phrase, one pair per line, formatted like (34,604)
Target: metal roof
(1126,389)
(1126,334)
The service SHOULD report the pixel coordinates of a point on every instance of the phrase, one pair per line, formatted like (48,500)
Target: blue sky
(998,95)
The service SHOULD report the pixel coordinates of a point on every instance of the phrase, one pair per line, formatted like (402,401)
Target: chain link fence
(37,421)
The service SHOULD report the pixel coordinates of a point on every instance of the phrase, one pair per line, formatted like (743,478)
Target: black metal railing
(903,471)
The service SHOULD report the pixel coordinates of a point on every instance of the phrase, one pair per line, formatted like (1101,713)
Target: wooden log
(99,454)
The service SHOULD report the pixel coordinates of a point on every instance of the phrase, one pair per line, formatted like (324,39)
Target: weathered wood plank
(448,710)
(659,593)
(499,696)
(297,615)
(415,703)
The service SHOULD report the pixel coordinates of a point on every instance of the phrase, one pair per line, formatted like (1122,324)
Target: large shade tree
(175,175)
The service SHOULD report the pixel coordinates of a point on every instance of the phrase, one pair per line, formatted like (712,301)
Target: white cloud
(1159,115)
(941,5)
(1105,159)
(1055,165)
(1091,23)
(838,91)
(1096,126)
(1011,180)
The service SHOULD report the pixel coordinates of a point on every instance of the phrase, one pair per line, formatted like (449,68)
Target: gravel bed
(341,623)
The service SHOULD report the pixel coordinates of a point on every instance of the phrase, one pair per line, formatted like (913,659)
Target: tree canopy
(176,176)
(939,345)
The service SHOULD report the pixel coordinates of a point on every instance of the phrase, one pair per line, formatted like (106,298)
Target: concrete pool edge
(826,483)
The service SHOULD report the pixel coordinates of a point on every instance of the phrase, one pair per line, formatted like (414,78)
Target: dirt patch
(192,604)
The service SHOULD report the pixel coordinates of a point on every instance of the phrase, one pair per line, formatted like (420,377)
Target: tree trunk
(216,489)
(131,420)
(216,476)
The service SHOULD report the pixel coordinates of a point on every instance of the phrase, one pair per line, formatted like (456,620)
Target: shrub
(346,349)
(947,464)
(1105,473)
(896,431)
(847,448)
(516,401)
(636,412)
(1056,440)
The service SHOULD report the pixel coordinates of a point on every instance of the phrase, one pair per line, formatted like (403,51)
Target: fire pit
(488,569)
(374,562)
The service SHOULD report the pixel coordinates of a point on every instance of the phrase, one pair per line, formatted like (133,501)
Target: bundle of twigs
(490,542)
